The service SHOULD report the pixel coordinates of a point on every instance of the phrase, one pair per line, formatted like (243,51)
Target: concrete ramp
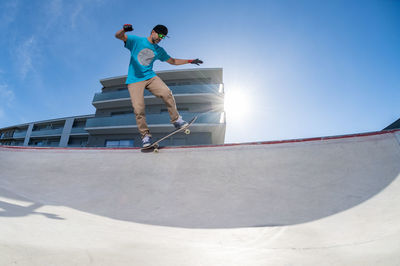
(322,201)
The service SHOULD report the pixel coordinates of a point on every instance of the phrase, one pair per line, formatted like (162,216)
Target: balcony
(19,134)
(47,132)
(157,123)
(183,94)
(78,131)
(11,135)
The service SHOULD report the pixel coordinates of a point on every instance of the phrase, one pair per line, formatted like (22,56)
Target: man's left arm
(177,62)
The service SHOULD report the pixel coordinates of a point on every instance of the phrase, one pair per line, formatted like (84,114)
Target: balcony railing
(78,130)
(20,134)
(152,119)
(47,132)
(182,89)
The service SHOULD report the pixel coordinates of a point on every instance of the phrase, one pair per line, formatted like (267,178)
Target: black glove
(128,27)
(196,61)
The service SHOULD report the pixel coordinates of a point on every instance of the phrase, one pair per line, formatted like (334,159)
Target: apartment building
(197,92)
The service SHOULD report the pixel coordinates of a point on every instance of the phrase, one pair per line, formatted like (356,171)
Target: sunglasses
(162,36)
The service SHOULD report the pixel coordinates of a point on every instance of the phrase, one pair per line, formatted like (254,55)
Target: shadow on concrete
(8,209)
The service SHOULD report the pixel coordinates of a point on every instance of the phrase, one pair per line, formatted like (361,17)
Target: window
(79,124)
(119,143)
(38,143)
(77,142)
(53,143)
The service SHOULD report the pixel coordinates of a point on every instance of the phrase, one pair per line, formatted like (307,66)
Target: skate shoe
(180,123)
(146,140)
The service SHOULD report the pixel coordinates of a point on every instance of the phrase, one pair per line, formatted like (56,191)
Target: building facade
(394,125)
(196,91)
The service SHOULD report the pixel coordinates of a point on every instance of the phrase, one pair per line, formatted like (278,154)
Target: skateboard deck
(155,145)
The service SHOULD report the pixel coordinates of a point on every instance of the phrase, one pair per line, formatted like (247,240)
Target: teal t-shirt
(143,55)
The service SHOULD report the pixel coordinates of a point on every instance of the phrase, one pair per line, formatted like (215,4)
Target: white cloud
(60,17)
(25,53)
(9,12)
(56,7)
(54,11)
(60,11)
(75,15)
(7,96)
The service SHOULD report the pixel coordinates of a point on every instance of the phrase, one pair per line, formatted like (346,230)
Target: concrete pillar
(28,134)
(66,132)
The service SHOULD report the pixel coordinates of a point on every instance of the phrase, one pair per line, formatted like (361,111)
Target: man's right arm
(121,33)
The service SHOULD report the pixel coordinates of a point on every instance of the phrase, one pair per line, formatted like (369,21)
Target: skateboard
(155,145)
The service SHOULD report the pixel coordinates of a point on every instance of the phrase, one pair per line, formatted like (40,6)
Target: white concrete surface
(322,202)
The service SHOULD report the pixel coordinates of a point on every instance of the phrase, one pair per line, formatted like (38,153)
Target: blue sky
(300,68)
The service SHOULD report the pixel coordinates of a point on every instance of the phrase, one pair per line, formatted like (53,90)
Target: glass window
(112,143)
(119,143)
(126,143)
(79,124)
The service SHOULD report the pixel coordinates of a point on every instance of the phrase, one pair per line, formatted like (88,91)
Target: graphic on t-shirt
(146,56)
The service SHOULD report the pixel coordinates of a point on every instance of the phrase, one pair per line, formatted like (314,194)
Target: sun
(237,106)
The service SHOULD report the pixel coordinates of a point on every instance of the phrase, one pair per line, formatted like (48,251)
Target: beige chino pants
(159,89)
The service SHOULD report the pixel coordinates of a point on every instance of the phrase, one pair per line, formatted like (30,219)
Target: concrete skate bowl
(230,186)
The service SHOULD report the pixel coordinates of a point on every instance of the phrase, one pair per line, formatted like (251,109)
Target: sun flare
(237,106)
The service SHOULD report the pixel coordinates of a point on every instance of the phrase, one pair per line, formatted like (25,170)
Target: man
(144,51)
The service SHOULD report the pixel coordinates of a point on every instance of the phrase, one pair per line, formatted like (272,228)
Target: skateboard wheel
(156,150)
(187,131)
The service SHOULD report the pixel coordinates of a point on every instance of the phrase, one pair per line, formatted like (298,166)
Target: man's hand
(196,61)
(128,27)
(177,62)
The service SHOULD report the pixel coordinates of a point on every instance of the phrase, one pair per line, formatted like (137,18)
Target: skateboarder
(144,51)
